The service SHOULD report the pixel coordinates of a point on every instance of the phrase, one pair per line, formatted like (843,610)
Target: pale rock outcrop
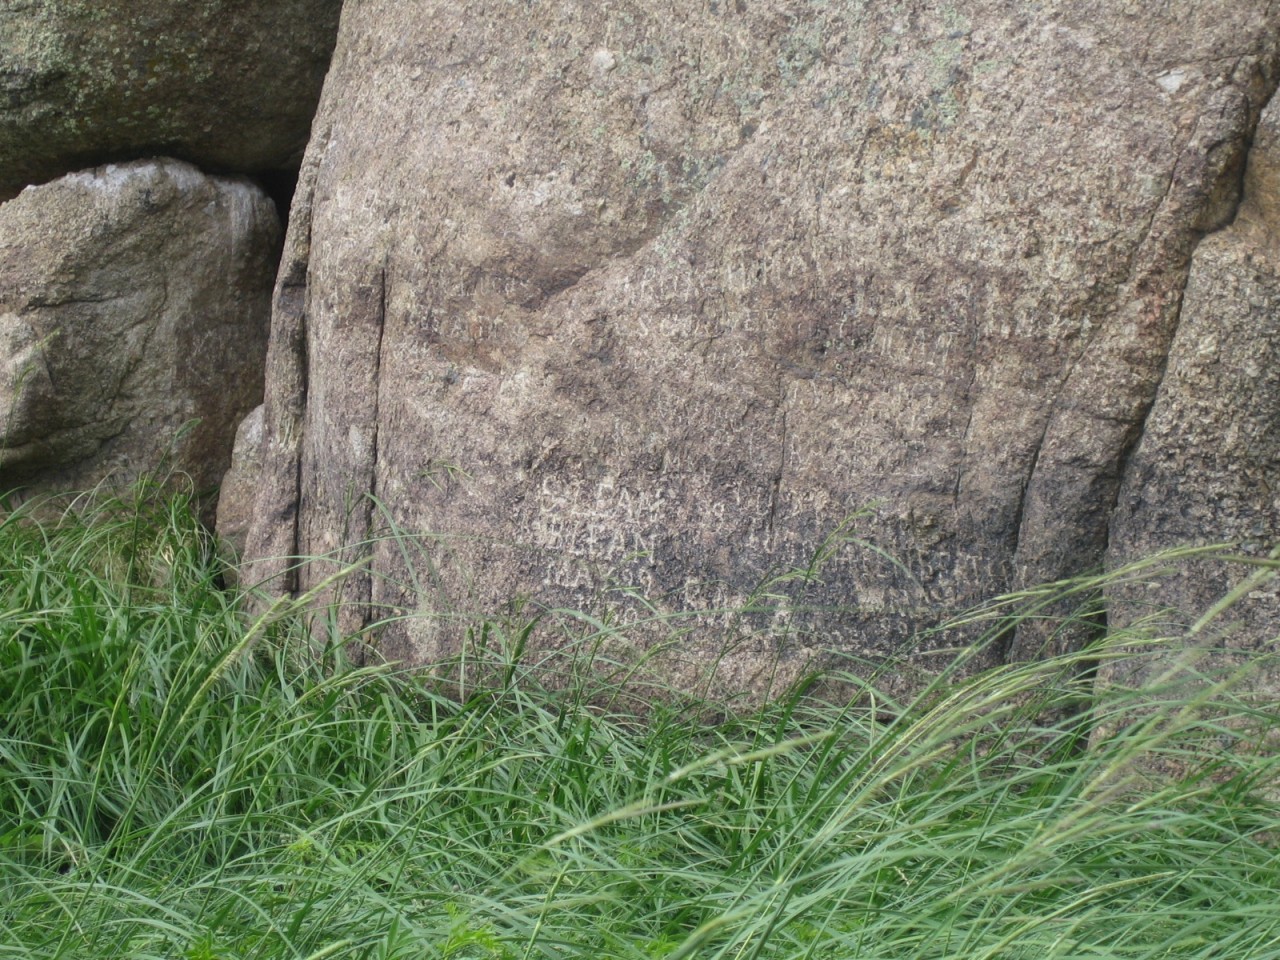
(134,306)
(228,84)
(1208,467)
(655,294)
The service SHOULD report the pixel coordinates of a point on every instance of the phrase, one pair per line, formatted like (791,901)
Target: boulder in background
(230,85)
(134,305)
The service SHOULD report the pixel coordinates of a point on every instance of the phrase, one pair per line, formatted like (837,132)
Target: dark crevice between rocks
(280,186)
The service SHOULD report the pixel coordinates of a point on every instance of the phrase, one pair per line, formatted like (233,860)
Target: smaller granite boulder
(134,307)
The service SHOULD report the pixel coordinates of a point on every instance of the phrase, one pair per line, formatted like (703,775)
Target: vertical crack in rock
(302,358)
(274,539)
(1003,644)
(776,492)
(1066,507)
(971,400)
(377,381)
(1202,469)
(367,318)
(1233,188)
(1232,184)
(1225,218)
(358,591)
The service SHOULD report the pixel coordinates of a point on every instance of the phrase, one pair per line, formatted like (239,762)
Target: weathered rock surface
(227,84)
(656,294)
(134,299)
(1208,467)
(240,484)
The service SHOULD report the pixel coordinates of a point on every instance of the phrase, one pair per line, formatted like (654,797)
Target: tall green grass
(176,782)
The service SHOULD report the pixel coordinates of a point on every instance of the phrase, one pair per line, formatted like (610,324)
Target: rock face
(227,84)
(655,295)
(134,299)
(1208,467)
(239,484)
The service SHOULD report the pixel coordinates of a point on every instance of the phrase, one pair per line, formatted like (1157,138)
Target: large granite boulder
(655,295)
(228,84)
(134,309)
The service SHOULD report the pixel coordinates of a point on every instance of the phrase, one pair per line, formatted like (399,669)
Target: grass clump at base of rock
(177,782)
